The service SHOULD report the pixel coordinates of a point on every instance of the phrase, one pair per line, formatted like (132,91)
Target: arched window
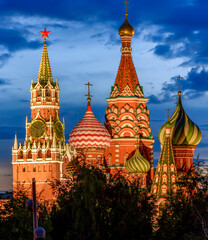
(172,168)
(165,168)
(48,153)
(154,189)
(109,159)
(29,154)
(164,179)
(23,169)
(164,189)
(48,92)
(20,155)
(39,154)
(173,179)
(39,93)
(34,169)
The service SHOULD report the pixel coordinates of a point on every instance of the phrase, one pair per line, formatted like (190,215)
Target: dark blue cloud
(182,31)
(194,85)
(15,40)
(4,82)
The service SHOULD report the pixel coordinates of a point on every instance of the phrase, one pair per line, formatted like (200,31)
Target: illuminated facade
(41,155)
(124,144)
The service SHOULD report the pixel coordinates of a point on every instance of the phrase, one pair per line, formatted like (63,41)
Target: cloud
(194,85)
(14,40)
(4,82)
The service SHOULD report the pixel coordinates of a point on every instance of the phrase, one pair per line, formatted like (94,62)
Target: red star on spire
(45,33)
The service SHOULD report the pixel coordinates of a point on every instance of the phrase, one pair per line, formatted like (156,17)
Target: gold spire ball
(126,29)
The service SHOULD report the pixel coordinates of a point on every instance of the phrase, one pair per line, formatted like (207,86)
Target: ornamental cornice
(121,141)
(126,98)
(44,106)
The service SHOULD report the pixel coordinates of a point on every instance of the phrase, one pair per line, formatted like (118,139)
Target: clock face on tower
(58,129)
(37,129)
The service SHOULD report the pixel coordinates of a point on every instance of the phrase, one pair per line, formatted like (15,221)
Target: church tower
(185,135)
(165,179)
(127,116)
(40,156)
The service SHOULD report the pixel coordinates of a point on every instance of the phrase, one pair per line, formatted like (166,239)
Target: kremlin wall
(124,143)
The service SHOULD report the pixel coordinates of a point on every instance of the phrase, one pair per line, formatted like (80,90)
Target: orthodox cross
(126,5)
(179,78)
(168,111)
(88,95)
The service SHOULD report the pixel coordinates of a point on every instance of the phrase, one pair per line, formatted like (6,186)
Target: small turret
(15,142)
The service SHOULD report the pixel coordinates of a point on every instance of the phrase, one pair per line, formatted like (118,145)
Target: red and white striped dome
(89,133)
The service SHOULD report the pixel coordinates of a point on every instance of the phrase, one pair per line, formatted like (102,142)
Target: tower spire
(15,142)
(126,74)
(45,73)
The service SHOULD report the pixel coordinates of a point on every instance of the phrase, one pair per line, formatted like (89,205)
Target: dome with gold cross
(183,130)
(126,29)
(89,132)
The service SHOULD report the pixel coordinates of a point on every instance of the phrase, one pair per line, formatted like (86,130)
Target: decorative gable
(138,92)
(115,91)
(127,91)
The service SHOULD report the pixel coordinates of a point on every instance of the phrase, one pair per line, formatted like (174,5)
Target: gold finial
(126,7)
(179,78)
(168,111)
(88,95)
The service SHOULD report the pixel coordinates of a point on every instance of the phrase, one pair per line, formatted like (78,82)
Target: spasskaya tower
(41,154)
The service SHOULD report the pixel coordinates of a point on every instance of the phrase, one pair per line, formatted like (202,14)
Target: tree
(95,207)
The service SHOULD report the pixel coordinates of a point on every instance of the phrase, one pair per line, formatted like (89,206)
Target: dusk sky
(171,38)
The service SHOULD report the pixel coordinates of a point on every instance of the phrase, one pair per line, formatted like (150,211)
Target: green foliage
(16,222)
(178,221)
(94,207)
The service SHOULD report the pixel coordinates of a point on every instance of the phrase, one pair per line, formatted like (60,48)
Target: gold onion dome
(126,29)
(137,164)
(183,130)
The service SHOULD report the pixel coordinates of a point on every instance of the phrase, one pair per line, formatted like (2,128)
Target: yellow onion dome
(126,29)
(72,167)
(183,130)
(137,164)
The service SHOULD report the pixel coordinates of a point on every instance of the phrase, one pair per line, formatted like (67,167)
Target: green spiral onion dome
(137,164)
(72,167)
(183,130)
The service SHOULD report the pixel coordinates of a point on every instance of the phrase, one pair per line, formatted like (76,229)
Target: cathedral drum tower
(127,116)
(40,156)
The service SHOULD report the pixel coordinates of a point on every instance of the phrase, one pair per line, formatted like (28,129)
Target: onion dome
(137,164)
(89,133)
(72,167)
(183,130)
(126,29)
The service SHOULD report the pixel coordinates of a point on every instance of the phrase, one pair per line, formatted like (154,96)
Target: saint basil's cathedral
(123,144)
